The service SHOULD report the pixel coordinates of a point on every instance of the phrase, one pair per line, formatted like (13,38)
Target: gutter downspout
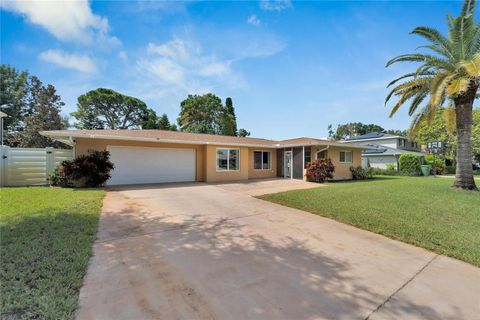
(324,149)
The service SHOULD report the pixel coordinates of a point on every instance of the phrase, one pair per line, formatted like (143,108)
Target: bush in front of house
(438,165)
(384,172)
(409,164)
(450,170)
(320,170)
(359,173)
(90,170)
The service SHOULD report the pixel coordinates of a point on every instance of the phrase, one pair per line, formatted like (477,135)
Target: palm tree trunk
(463,111)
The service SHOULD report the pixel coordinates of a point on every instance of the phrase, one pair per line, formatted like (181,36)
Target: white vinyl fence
(29,166)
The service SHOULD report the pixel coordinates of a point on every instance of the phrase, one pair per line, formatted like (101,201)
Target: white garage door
(136,165)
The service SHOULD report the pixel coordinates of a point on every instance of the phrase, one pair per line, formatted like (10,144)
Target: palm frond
(458,86)
(437,38)
(416,102)
(438,88)
(407,86)
(449,117)
(418,119)
(468,8)
(404,98)
(408,75)
(410,57)
(472,67)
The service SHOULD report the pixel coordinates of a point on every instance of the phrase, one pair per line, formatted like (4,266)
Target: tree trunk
(463,111)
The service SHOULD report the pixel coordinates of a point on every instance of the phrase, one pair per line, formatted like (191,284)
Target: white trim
(228,160)
(373,139)
(275,145)
(351,157)
(303,157)
(57,136)
(269,160)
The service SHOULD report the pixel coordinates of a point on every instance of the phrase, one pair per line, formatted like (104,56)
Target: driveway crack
(401,287)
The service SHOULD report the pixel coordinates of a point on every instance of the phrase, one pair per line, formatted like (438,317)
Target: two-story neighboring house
(387,148)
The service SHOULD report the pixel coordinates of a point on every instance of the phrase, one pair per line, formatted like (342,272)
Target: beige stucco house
(156,156)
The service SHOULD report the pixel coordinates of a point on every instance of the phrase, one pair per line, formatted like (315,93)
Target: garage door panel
(137,165)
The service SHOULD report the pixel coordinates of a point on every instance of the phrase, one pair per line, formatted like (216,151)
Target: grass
(46,238)
(422,211)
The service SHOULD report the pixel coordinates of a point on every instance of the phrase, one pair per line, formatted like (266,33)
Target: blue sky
(291,68)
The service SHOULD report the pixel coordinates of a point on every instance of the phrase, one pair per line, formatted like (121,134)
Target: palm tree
(449,73)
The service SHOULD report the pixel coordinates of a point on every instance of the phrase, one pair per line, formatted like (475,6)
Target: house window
(307,156)
(261,160)
(228,159)
(345,156)
(321,155)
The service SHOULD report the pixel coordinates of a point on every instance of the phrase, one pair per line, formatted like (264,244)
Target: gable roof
(374,136)
(67,136)
(380,150)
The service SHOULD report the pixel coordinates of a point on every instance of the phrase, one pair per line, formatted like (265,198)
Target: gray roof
(373,135)
(379,150)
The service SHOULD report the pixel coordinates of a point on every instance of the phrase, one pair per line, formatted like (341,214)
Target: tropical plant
(320,170)
(449,73)
(90,170)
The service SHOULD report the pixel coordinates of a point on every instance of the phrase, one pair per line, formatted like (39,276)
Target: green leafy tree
(13,92)
(396,132)
(436,130)
(164,123)
(201,114)
(107,109)
(151,120)
(229,120)
(449,72)
(354,129)
(45,115)
(243,133)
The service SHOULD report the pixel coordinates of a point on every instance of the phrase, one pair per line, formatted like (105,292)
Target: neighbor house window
(228,159)
(261,160)
(307,156)
(345,156)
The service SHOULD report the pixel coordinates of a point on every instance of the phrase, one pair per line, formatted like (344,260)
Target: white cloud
(66,20)
(73,61)
(182,63)
(253,20)
(275,5)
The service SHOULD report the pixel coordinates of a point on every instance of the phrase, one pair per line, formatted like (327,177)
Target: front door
(287,163)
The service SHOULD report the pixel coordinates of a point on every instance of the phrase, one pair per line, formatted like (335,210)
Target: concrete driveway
(200,251)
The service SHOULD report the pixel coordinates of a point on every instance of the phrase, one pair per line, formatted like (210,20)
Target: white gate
(29,166)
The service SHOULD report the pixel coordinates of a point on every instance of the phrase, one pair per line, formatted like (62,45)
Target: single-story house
(384,149)
(156,156)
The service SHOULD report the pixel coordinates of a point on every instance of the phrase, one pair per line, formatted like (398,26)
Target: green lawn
(46,237)
(422,211)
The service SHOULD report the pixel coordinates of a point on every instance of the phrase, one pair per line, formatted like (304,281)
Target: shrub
(384,172)
(409,164)
(320,170)
(90,170)
(450,170)
(438,164)
(391,167)
(359,173)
